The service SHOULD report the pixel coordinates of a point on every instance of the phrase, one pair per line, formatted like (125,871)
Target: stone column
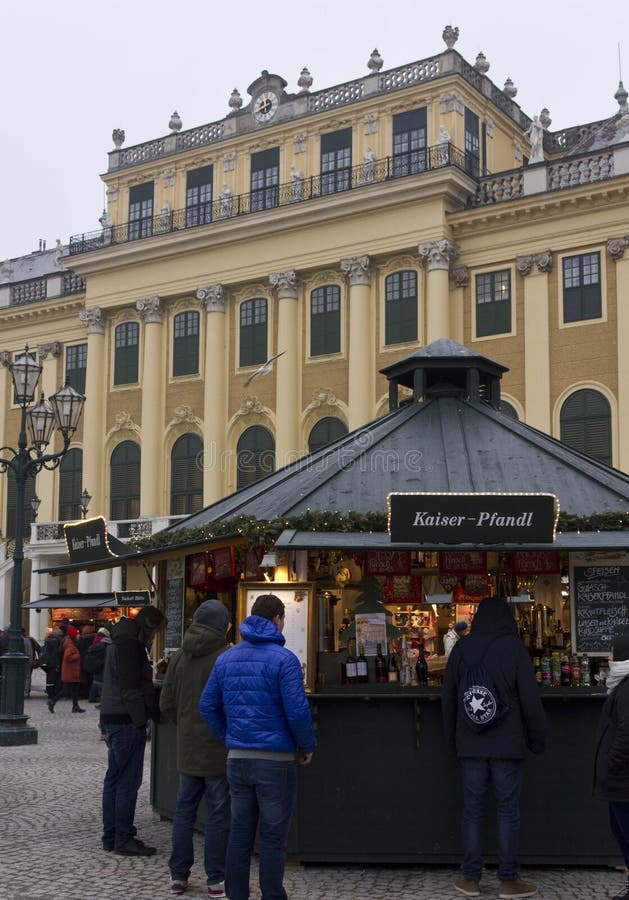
(361,361)
(535,268)
(436,256)
(95,469)
(460,279)
(214,296)
(5,439)
(287,382)
(49,383)
(616,248)
(153,367)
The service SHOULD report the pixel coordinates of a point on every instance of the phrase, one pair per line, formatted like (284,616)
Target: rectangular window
(582,287)
(76,365)
(472,143)
(265,178)
(409,142)
(253,336)
(493,303)
(141,211)
(126,353)
(199,196)
(336,161)
(186,344)
(325,320)
(400,317)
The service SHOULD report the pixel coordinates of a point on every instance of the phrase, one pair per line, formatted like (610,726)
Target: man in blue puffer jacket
(255,702)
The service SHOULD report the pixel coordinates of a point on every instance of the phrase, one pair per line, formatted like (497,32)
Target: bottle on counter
(393,673)
(351,663)
(555,668)
(381,666)
(566,671)
(421,668)
(545,664)
(362,672)
(575,667)
(344,624)
(586,675)
(537,668)
(406,677)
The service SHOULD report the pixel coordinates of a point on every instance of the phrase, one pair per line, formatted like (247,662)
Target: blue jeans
(125,745)
(191,790)
(262,791)
(505,776)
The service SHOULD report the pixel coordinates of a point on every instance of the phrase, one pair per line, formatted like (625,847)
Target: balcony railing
(297,191)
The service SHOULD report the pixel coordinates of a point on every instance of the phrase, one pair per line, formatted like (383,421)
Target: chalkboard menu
(174,612)
(600,602)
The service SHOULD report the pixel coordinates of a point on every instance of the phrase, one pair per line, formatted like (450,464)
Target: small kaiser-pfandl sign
(472,518)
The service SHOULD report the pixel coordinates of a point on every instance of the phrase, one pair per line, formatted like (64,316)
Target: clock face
(265,106)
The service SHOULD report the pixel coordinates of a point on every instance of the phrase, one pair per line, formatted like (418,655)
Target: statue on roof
(535,133)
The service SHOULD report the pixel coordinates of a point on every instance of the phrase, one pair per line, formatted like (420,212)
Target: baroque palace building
(337,230)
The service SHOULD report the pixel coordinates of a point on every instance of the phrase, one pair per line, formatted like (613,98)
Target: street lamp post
(85,503)
(63,411)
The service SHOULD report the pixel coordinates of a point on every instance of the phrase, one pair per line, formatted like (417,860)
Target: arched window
(586,424)
(324,432)
(126,341)
(400,307)
(509,410)
(255,455)
(186,475)
(70,485)
(29,493)
(124,482)
(186,343)
(253,339)
(325,320)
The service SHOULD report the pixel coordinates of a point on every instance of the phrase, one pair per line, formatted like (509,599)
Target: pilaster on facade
(357,270)
(284,284)
(214,296)
(93,319)
(542,261)
(150,308)
(616,246)
(437,254)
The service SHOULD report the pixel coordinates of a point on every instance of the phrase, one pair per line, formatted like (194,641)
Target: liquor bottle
(405,666)
(421,668)
(345,622)
(566,672)
(393,674)
(351,663)
(362,673)
(576,671)
(545,663)
(537,668)
(586,677)
(381,666)
(555,668)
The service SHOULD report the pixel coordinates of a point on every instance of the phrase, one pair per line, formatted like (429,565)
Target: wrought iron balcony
(297,191)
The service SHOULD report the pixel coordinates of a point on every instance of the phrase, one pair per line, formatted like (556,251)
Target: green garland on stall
(265,532)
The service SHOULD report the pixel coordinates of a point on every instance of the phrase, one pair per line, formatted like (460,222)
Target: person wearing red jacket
(70,672)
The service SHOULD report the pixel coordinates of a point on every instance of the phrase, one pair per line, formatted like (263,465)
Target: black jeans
(619,824)
(67,689)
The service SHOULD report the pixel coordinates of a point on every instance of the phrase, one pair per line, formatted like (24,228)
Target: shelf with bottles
(569,670)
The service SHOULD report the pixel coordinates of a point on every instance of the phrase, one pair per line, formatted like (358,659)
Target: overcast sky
(73,70)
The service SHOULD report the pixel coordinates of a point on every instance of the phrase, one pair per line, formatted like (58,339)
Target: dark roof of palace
(447,441)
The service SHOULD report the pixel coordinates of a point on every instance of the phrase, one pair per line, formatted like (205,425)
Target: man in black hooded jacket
(496,755)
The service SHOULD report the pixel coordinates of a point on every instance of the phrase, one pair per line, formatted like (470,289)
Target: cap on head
(461,626)
(212,614)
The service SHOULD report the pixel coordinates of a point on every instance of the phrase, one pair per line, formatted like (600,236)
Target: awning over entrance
(73,601)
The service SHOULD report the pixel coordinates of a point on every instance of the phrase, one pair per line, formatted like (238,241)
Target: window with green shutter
(400,307)
(76,366)
(582,287)
(265,178)
(253,332)
(493,303)
(336,161)
(325,432)
(409,142)
(199,196)
(186,343)
(126,338)
(141,210)
(255,455)
(70,485)
(325,320)
(186,475)
(586,424)
(124,482)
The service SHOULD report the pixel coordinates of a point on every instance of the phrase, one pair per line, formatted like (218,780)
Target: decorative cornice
(151,310)
(543,261)
(54,348)
(437,254)
(284,284)
(93,319)
(461,276)
(124,422)
(214,296)
(357,269)
(616,246)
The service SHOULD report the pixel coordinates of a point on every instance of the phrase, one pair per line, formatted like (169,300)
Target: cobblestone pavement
(50,836)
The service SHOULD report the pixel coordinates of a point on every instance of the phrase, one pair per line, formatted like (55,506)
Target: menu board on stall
(298,600)
(174,604)
(599,600)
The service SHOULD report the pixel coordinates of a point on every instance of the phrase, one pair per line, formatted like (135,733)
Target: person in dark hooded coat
(495,756)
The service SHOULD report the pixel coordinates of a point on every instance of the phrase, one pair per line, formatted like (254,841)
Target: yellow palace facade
(337,230)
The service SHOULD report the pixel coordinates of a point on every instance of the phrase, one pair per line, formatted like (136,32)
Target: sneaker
(216,890)
(135,847)
(516,888)
(467,886)
(178,887)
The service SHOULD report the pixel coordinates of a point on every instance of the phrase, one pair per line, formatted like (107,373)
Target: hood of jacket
(124,629)
(494,616)
(199,640)
(258,630)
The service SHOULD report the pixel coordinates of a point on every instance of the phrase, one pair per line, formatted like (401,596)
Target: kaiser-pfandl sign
(473,518)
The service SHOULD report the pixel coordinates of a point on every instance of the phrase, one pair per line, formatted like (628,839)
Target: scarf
(618,669)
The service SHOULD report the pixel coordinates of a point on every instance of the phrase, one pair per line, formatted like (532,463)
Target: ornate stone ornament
(124,422)
(175,123)
(93,319)
(214,296)
(437,254)
(118,137)
(510,89)
(357,269)
(375,62)
(184,414)
(54,348)
(168,178)
(489,127)
(249,406)
(323,397)
(451,102)
(229,161)
(112,194)
(616,246)
(235,100)
(543,261)
(545,119)
(5,358)
(304,81)
(370,123)
(461,276)
(481,64)
(299,142)
(150,308)
(285,284)
(450,35)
